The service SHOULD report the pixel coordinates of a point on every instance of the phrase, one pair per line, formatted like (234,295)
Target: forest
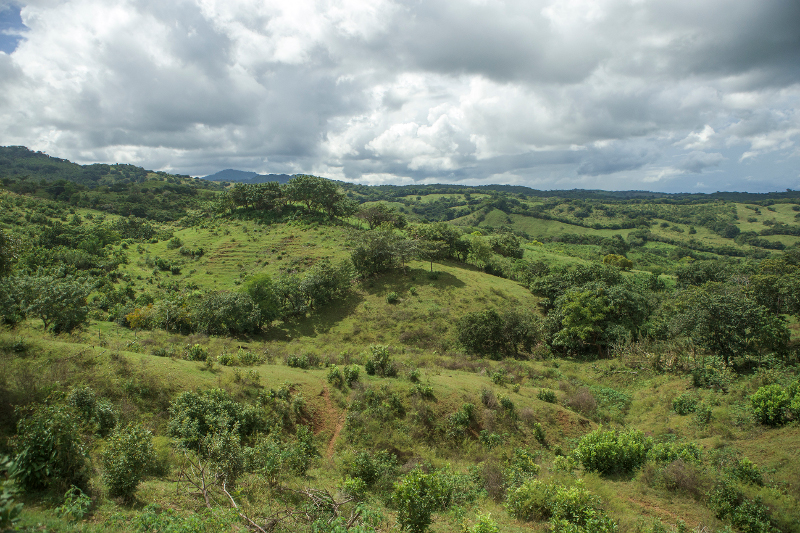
(183,355)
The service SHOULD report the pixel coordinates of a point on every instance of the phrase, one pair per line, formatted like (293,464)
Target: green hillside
(324,357)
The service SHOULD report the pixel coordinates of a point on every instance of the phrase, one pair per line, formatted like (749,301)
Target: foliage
(351,374)
(392,297)
(262,291)
(49,448)
(380,250)
(684,404)
(568,507)
(126,457)
(223,313)
(59,302)
(76,504)
(747,515)
(610,451)
(153,519)
(546,395)
(418,495)
(770,404)
(379,362)
(520,467)
(335,377)
(488,333)
(193,415)
(10,510)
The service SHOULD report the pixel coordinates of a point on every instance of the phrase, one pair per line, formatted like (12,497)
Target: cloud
(697,161)
(591,93)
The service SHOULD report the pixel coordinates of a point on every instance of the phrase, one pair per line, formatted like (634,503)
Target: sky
(660,95)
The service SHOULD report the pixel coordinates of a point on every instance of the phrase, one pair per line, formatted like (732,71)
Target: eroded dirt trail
(332,414)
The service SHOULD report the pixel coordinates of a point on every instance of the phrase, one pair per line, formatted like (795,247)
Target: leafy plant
(546,395)
(684,404)
(125,459)
(770,404)
(379,362)
(76,504)
(610,451)
(50,449)
(392,297)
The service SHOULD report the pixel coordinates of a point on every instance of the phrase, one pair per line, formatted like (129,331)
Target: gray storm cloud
(582,93)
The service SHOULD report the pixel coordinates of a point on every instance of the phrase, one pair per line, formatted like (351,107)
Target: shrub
(76,505)
(568,507)
(351,374)
(125,458)
(50,452)
(335,377)
(224,451)
(174,243)
(488,333)
(379,362)
(702,415)
(374,470)
(195,352)
(684,404)
(414,375)
(746,471)
(392,297)
(538,433)
(10,510)
(520,467)
(750,516)
(485,524)
(770,404)
(610,452)
(546,395)
(583,402)
(295,361)
(224,313)
(193,415)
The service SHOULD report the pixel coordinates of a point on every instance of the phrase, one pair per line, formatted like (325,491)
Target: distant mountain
(241,176)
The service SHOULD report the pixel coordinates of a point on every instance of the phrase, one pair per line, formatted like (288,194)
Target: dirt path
(340,419)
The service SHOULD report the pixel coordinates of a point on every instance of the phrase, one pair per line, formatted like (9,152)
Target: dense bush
(567,507)
(685,404)
(126,457)
(610,451)
(379,362)
(193,415)
(50,450)
(418,495)
(770,404)
(224,313)
(488,333)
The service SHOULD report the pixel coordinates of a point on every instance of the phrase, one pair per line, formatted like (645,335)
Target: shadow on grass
(318,322)
(413,277)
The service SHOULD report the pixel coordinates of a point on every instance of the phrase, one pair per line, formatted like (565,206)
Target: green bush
(770,404)
(351,374)
(379,362)
(546,395)
(748,472)
(195,352)
(520,467)
(377,469)
(76,505)
(667,452)
(223,450)
(153,519)
(227,313)
(569,508)
(193,415)
(418,495)
(749,516)
(10,510)
(488,333)
(335,377)
(685,404)
(50,449)
(126,458)
(392,297)
(295,361)
(611,452)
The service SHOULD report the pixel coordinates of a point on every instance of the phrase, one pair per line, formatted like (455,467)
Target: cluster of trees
(316,194)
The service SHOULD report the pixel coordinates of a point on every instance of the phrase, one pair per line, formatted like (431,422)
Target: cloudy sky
(665,95)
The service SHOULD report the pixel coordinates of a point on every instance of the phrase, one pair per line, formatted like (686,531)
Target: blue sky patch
(11,28)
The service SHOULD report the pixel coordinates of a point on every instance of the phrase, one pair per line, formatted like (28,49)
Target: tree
(262,291)
(378,250)
(220,313)
(488,333)
(319,193)
(8,253)
(59,302)
(378,214)
(435,241)
(728,322)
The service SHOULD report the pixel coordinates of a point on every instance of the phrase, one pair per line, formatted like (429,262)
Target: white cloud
(568,93)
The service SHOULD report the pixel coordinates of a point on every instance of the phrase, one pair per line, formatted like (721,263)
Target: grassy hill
(483,434)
